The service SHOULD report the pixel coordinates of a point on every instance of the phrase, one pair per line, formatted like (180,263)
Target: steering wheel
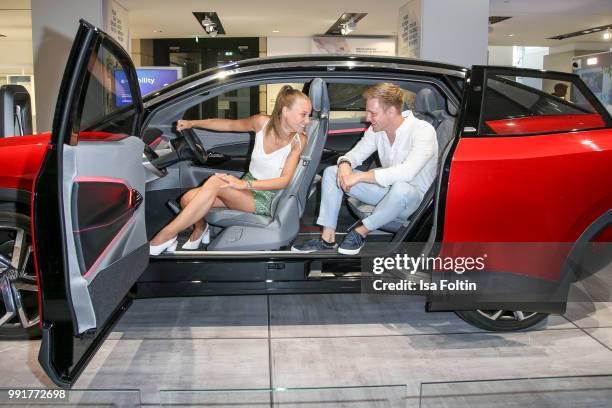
(195,145)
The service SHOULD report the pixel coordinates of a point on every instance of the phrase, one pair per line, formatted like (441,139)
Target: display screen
(149,80)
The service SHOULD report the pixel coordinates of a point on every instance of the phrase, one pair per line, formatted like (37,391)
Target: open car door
(88,213)
(524,189)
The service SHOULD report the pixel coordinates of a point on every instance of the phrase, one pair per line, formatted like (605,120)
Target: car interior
(338,121)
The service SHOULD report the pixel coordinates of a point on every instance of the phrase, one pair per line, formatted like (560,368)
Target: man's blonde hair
(388,94)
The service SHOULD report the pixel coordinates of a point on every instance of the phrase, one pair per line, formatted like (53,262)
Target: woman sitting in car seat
(281,134)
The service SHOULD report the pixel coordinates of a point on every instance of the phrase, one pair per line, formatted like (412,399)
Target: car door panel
(521,197)
(88,214)
(234,143)
(233,150)
(102,195)
(343,134)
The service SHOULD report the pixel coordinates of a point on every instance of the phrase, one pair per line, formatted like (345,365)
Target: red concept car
(524,178)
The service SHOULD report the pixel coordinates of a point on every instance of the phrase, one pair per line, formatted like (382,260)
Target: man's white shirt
(412,158)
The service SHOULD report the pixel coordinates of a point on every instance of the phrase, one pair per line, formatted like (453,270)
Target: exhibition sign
(409,30)
(351,45)
(116,20)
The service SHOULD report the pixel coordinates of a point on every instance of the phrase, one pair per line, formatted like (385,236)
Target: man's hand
(183,124)
(345,173)
(232,182)
(352,179)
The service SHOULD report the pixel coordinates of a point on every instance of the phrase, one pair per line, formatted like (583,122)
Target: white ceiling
(15,19)
(532,20)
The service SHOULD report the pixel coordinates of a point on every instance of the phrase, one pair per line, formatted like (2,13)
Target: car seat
(444,132)
(244,231)
(425,105)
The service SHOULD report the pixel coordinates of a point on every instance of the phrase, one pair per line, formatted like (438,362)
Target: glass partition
(554,392)
(383,396)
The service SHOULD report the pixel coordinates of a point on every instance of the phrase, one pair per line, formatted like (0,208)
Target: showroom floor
(377,347)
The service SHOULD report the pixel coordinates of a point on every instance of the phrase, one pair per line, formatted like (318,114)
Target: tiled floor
(312,341)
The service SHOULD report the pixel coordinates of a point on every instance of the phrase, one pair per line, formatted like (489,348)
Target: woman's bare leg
(201,203)
(200,225)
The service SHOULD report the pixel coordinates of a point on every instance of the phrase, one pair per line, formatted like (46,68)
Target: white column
(54,25)
(449,31)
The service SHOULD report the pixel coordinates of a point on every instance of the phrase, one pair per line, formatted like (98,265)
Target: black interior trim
(15,196)
(599,225)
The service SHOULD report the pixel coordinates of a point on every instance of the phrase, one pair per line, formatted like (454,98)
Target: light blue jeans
(398,201)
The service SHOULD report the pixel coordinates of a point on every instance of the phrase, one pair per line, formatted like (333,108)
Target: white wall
(288,45)
(530,57)
(455,32)
(16,56)
(500,55)
(54,25)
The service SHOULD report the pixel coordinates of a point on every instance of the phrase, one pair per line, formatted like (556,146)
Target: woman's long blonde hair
(286,97)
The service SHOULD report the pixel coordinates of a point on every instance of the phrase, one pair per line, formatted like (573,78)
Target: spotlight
(206,21)
(345,29)
(607,35)
(209,27)
(209,21)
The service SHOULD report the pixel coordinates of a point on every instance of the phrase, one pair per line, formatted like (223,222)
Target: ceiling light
(209,21)
(209,27)
(345,24)
(592,61)
(206,22)
(275,31)
(345,29)
(497,19)
(157,31)
(607,35)
(579,33)
(510,35)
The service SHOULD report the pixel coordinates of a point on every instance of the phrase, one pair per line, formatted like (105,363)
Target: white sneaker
(193,245)
(169,246)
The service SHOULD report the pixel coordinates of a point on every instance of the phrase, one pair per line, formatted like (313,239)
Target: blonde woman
(279,141)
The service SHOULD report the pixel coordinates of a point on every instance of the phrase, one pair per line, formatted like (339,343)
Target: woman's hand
(232,182)
(183,124)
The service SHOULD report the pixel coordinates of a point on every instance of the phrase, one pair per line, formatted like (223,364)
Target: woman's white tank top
(268,165)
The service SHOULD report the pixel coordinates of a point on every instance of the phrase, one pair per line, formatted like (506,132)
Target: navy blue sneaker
(314,245)
(352,243)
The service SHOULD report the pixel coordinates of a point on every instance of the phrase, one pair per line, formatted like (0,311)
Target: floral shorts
(263,198)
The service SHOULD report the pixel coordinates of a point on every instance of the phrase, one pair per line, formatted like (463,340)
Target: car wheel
(19,318)
(501,320)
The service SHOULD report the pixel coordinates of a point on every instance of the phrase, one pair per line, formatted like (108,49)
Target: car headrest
(318,96)
(425,101)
